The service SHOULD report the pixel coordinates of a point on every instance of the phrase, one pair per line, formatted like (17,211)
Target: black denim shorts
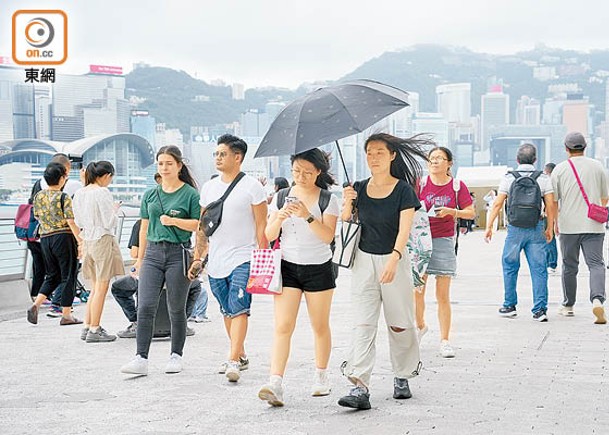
(308,277)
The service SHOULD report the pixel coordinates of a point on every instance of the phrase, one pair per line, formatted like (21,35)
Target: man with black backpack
(527,191)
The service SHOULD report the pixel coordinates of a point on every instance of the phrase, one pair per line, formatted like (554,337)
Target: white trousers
(397,300)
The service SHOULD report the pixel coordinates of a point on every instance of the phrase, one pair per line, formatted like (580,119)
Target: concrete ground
(511,376)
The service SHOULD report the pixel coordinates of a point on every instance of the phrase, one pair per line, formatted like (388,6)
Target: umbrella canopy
(329,114)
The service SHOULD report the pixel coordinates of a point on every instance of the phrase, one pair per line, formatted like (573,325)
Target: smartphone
(291,199)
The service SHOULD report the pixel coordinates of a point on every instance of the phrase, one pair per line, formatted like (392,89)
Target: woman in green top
(170,213)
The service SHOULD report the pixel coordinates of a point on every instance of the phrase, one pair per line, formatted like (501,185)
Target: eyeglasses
(220,154)
(298,173)
(438,159)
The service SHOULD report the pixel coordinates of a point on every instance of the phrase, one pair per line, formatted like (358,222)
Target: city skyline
(270,45)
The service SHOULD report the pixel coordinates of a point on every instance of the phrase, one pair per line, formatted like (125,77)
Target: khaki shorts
(102,259)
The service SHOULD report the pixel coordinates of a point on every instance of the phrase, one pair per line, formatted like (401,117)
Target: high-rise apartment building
(454,102)
(495,111)
(528,111)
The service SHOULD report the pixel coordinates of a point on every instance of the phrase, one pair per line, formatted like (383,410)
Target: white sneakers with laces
(137,366)
(446,350)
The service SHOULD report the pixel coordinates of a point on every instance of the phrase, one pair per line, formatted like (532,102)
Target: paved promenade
(510,376)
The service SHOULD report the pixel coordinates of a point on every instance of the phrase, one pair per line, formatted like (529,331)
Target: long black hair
(96,170)
(405,166)
(321,161)
(184,174)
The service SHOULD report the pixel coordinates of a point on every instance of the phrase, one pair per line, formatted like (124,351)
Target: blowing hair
(97,170)
(405,166)
(448,153)
(184,174)
(321,161)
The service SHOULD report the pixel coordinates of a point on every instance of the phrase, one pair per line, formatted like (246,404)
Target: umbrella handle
(340,154)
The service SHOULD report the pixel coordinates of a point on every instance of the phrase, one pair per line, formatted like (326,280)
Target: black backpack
(524,200)
(324,201)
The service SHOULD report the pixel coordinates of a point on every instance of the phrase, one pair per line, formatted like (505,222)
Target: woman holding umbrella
(385,204)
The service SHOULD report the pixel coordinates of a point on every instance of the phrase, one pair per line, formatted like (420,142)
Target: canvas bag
(26,225)
(348,238)
(212,215)
(595,212)
(265,272)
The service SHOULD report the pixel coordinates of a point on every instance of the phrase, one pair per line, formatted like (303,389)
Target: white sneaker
(174,365)
(137,366)
(272,393)
(232,371)
(566,311)
(552,271)
(599,312)
(421,332)
(321,384)
(446,350)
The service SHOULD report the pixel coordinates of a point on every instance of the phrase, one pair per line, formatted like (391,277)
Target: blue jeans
(532,241)
(200,309)
(230,292)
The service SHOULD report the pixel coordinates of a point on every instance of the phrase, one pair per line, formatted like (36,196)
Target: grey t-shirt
(572,209)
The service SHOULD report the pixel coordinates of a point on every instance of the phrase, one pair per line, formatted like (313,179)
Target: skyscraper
(87,105)
(454,102)
(528,111)
(495,111)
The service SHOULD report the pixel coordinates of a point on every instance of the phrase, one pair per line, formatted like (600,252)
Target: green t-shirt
(182,204)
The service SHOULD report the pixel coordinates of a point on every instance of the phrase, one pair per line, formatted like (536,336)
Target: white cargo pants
(397,300)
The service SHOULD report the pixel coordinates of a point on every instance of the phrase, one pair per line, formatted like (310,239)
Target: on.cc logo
(39,32)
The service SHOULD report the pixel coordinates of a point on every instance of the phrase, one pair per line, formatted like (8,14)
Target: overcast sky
(284,43)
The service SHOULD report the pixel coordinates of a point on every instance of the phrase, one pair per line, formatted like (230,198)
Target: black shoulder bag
(187,251)
(212,216)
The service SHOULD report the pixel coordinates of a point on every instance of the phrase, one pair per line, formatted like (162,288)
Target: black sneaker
(401,390)
(508,311)
(540,316)
(358,398)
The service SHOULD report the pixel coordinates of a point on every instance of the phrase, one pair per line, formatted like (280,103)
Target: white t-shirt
(299,244)
(233,241)
(94,212)
(70,187)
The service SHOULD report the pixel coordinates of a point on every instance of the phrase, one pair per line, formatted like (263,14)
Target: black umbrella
(329,114)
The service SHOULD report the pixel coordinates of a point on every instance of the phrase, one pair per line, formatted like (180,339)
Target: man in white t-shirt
(241,230)
(577,231)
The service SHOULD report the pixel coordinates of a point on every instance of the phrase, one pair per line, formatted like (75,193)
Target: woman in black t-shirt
(385,205)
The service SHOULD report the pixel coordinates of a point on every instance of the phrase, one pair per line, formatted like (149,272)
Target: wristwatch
(310,219)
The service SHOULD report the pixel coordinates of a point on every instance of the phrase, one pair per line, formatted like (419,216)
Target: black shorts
(308,277)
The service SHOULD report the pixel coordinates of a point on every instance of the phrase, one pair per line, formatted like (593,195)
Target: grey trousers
(591,244)
(397,301)
(162,264)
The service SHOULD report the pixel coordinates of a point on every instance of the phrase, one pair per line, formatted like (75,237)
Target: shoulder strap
(232,185)
(63,200)
(324,200)
(516,174)
(456,185)
(579,183)
(281,196)
(535,175)
(423,182)
(35,189)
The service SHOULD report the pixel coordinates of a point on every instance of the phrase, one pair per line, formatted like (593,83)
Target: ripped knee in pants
(397,329)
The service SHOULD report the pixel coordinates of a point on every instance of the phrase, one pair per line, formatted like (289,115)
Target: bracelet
(397,252)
